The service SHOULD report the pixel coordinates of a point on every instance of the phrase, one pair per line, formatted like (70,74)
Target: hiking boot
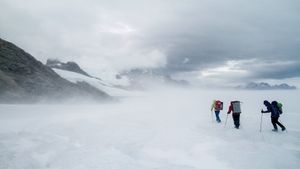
(275,130)
(283,129)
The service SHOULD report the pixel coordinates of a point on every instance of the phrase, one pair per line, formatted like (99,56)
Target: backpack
(279,106)
(218,105)
(236,107)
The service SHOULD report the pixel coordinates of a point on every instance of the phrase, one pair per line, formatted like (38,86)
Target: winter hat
(266,102)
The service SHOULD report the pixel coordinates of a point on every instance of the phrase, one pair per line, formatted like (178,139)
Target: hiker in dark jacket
(272,108)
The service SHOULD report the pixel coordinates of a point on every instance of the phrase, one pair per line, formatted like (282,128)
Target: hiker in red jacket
(217,106)
(235,108)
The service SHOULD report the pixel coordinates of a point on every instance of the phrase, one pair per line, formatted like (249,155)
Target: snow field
(101,85)
(167,129)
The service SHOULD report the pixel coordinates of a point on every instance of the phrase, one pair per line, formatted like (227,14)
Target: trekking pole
(260,122)
(226,120)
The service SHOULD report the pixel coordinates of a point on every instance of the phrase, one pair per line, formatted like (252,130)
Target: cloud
(275,69)
(83,31)
(184,37)
(244,71)
(232,68)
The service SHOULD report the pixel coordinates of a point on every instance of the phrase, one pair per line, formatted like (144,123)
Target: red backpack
(218,105)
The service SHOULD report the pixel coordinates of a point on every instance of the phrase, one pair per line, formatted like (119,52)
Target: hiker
(235,108)
(275,114)
(217,106)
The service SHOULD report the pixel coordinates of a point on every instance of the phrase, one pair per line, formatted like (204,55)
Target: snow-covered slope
(161,130)
(104,86)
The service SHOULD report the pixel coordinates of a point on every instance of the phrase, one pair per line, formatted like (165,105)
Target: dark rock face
(24,79)
(69,66)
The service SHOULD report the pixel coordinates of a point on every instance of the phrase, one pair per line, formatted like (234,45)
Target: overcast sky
(224,40)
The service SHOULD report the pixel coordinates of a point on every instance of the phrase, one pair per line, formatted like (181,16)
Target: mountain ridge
(266,86)
(25,79)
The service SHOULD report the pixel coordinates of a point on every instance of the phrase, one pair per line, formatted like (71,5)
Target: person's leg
(235,120)
(274,121)
(282,126)
(217,116)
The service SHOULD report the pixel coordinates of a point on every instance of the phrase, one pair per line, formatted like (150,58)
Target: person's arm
(229,109)
(267,111)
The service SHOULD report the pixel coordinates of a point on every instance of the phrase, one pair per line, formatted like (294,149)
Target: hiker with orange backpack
(217,106)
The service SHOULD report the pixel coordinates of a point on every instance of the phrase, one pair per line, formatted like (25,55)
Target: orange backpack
(218,105)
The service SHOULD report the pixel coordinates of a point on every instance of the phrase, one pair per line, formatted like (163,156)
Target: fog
(162,128)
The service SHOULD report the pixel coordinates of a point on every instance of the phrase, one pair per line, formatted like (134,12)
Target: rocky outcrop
(24,79)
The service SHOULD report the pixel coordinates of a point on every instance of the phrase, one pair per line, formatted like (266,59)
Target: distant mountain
(266,86)
(24,79)
(69,66)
